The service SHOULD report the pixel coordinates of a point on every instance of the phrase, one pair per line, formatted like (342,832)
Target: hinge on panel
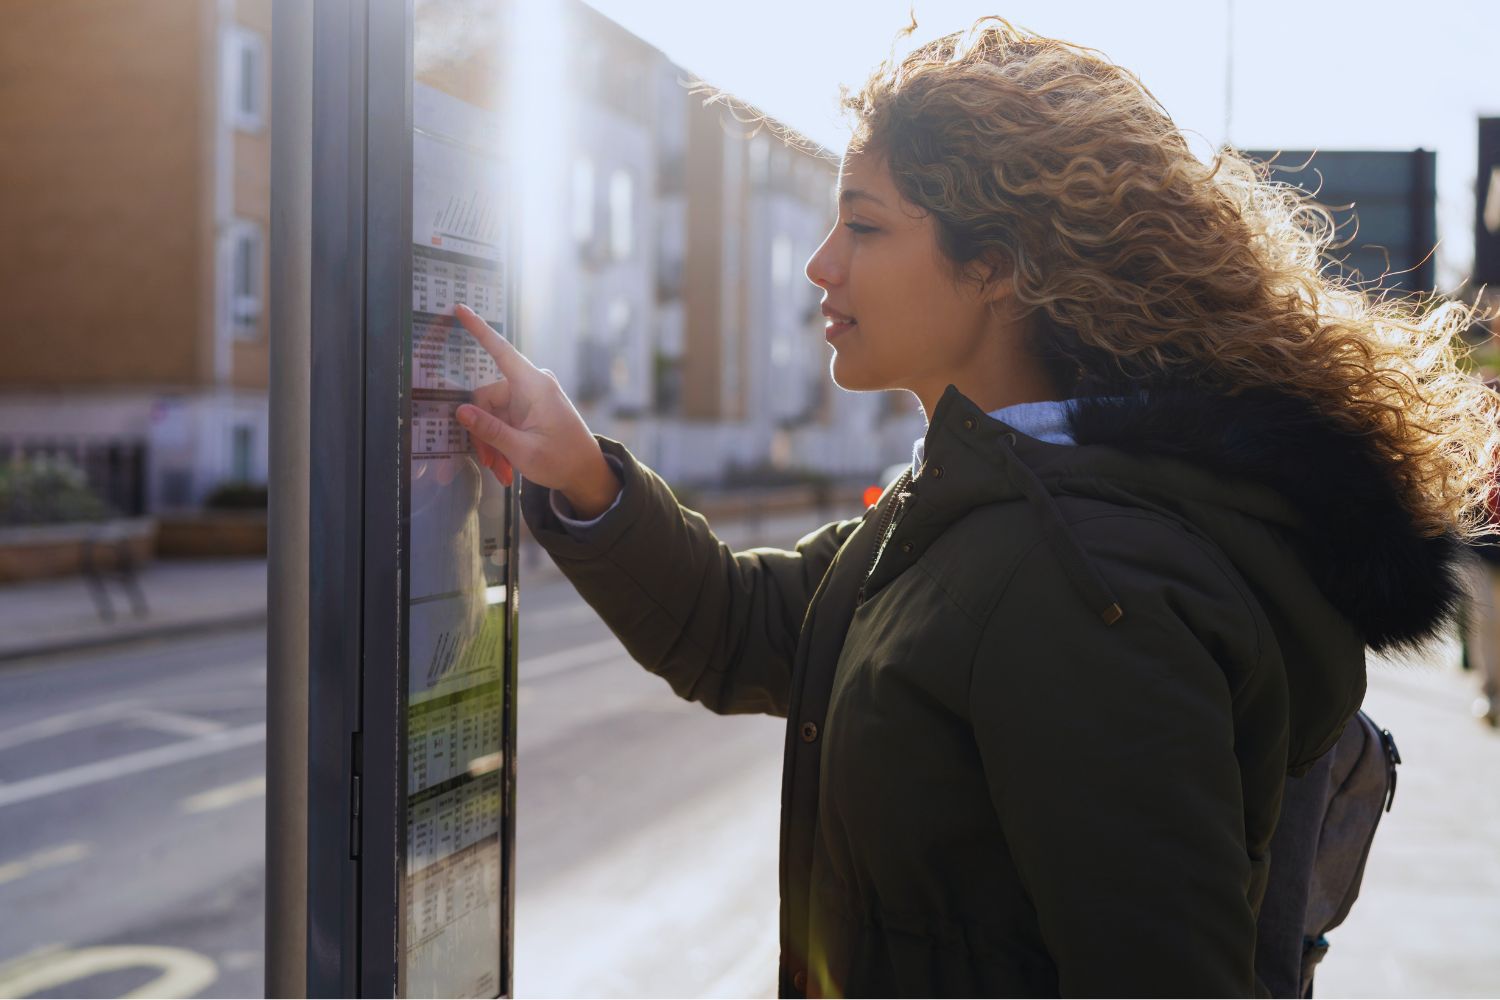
(355,793)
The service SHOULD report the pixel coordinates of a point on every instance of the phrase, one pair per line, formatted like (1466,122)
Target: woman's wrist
(594,497)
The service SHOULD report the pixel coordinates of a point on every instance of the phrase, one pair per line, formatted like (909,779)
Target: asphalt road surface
(132,810)
(132,821)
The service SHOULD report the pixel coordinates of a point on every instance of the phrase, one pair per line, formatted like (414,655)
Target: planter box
(212,534)
(35,552)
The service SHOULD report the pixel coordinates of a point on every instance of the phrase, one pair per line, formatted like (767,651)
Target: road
(132,820)
(132,811)
(132,806)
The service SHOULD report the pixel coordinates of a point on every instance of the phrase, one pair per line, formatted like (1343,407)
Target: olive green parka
(1041,699)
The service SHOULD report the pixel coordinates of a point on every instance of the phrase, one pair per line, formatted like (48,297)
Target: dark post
(287,578)
(1423,253)
(1487,205)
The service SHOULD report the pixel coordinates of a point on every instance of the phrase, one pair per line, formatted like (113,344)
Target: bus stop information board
(459,664)
(390,807)
(457,604)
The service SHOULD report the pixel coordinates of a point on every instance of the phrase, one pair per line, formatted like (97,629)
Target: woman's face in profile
(897,316)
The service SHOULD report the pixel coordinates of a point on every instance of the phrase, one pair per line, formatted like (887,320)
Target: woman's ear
(994,275)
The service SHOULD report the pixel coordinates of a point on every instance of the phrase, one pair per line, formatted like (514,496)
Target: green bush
(234,495)
(47,490)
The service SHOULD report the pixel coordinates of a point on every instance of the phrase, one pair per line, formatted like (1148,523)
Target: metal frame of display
(355,231)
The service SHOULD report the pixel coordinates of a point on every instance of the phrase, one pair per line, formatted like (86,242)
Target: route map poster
(460,591)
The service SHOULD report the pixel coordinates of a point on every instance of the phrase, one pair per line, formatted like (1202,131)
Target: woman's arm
(1110,756)
(720,626)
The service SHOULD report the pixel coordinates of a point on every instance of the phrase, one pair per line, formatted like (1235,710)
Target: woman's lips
(835,327)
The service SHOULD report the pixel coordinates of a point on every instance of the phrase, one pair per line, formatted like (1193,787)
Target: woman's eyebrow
(852,194)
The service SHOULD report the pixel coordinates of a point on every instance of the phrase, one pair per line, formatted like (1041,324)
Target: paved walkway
(181,595)
(1427,922)
(184,595)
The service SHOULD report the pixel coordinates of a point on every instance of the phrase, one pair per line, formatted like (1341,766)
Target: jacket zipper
(887,528)
(1392,758)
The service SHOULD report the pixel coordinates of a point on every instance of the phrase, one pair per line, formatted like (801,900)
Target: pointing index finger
(512,363)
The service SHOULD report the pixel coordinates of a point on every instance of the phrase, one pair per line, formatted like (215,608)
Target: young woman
(1041,699)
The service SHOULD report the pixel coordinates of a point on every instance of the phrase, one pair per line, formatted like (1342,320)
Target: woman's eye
(858,227)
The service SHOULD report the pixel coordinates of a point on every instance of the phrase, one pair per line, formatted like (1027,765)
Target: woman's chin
(847,376)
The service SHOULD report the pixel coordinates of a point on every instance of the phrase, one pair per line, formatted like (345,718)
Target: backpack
(1318,853)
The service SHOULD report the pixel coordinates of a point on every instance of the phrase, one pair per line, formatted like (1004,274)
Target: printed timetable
(457,612)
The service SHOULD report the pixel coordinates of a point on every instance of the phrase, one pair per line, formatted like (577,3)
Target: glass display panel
(460,589)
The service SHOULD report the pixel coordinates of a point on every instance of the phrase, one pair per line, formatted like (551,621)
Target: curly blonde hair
(1138,265)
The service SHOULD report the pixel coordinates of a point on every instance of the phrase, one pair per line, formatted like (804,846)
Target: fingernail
(466,415)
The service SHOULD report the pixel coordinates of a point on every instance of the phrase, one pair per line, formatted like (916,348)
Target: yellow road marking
(183,973)
(49,858)
(228,795)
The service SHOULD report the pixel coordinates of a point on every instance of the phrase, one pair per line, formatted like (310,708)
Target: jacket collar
(1269,455)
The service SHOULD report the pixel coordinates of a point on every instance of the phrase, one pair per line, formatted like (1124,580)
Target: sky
(1309,74)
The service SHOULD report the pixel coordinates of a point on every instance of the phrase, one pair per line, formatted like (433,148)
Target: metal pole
(1228,71)
(287,579)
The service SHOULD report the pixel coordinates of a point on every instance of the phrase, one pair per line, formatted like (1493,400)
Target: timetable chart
(442,279)
(435,431)
(453,736)
(452,817)
(453,917)
(444,358)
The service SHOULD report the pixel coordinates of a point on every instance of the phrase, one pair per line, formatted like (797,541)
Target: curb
(155,630)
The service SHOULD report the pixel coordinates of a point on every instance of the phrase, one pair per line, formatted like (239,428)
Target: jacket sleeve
(720,626)
(1109,755)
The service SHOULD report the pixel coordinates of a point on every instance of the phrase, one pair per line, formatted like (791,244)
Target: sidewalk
(197,595)
(182,596)
(1427,921)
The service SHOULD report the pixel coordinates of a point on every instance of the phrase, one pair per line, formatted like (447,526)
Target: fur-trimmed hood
(1307,515)
(1310,518)
(1358,540)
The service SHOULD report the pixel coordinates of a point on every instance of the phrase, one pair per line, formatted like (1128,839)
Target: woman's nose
(823,268)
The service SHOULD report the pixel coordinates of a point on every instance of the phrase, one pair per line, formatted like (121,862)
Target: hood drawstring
(1075,562)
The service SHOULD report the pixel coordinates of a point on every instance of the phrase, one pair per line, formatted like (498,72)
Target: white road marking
(175,722)
(183,973)
(535,667)
(131,763)
(225,796)
(56,725)
(49,858)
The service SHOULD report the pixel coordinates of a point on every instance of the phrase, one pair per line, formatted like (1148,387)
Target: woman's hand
(525,423)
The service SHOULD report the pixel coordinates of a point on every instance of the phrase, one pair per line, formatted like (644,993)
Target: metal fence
(115,469)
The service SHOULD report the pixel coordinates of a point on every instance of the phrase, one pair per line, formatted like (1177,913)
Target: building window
(781,261)
(621,214)
(242,447)
(583,199)
(760,159)
(245,79)
(245,279)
